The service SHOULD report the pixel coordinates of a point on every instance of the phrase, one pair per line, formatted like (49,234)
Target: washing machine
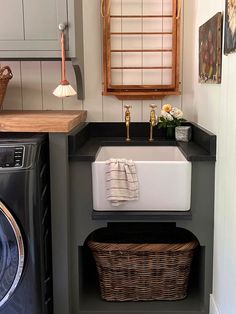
(25,233)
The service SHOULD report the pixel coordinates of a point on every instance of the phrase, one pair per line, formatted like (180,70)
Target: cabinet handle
(179,9)
(62,27)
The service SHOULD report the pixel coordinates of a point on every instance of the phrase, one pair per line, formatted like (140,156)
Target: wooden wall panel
(51,76)
(112,109)
(189,54)
(13,99)
(93,60)
(175,101)
(31,85)
(71,103)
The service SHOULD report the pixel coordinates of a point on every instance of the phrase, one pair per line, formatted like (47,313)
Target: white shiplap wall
(34,81)
(32,85)
(214,108)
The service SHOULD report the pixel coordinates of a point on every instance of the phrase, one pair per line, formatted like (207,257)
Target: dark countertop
(84,144)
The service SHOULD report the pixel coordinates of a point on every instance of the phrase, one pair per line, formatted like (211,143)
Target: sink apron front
(164,179)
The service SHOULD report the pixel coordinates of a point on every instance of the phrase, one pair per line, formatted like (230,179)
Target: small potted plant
(169,118)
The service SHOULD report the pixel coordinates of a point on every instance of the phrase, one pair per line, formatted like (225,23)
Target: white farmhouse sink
(164,178)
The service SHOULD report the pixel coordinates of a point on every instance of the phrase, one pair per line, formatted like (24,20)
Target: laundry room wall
(34,81)
(214,108)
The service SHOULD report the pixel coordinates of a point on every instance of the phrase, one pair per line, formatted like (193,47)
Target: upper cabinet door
(41,19)
(11,27)
(31,25)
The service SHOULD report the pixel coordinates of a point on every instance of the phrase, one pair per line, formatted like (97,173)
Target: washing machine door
(11,254)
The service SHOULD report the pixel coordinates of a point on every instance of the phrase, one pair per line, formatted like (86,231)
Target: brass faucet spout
(153,121)
(127,122)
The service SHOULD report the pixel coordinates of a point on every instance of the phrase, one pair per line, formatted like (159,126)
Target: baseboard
(213,307)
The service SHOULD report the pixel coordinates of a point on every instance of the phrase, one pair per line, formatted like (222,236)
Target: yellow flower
(167,108)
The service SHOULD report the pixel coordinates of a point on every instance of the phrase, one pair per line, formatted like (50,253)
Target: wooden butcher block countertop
(41,121)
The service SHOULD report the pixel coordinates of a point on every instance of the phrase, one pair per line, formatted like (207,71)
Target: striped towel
(122,181)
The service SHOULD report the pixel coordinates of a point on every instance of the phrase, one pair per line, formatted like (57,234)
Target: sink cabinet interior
(84,285)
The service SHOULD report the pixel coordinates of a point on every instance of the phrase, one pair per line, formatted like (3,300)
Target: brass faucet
(127,122)
(153,121)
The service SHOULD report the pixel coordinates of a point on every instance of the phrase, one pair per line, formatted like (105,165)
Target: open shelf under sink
(137,215)
(90,301)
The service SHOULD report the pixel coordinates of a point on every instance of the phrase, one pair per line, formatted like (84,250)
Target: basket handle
(7,75)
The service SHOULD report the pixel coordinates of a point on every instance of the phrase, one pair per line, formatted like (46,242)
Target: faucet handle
(153,121)
(127,107)
(153,115)
(153,106)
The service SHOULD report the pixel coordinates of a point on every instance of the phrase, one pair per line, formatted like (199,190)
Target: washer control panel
(12,156)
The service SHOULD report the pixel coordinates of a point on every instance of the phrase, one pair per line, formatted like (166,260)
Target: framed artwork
(230,27)
(210,50)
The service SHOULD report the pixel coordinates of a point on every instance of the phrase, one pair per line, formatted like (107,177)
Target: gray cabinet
(29,28)
(11,26)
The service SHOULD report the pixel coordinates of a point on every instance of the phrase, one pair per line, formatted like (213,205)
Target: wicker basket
(141,271)
(5,76)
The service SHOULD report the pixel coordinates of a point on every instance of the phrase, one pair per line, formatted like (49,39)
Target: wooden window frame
(141,91)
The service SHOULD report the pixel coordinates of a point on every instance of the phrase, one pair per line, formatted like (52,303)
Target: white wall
(34,82)
(214,107)
(32,85)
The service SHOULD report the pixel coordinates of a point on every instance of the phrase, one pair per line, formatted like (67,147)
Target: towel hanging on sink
(122,181)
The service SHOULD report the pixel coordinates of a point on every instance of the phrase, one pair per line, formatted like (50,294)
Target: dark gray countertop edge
(128,215)
(84,145)
(89,152)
